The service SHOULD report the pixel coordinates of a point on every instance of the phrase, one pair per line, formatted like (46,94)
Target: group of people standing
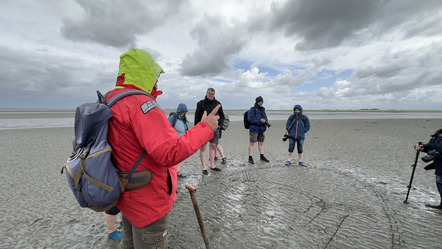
(180,123)
(297,125)
(139,126)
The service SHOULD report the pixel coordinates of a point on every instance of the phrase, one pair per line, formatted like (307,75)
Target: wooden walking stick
(192,191)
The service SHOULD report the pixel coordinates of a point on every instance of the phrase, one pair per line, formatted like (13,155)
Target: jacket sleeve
(264,115)
(426,147)
(289,121)
(306,124)
(198,113)
(170,119)
(221,115)
(160,140)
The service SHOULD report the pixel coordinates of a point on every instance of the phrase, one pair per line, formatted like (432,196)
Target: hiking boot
(264,159)
(115,235)
(216,169)
(434,206)
(251,160)
(288,163)
(205,172)
(302,164)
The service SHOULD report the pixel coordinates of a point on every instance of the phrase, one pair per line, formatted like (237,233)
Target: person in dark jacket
(258,125)
(297,125)
(208,104)
(434,150)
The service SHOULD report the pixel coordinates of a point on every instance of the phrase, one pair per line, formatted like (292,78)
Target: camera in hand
(433,154)
(286,136)
(267,124)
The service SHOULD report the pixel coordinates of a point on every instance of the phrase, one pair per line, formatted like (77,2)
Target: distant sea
(29,119)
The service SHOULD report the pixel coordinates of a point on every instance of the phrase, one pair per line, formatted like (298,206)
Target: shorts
(256,136)
(113,211)
(215,138)
(299,143)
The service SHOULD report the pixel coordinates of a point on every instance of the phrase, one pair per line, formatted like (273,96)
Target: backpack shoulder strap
(110,103)
(114,99)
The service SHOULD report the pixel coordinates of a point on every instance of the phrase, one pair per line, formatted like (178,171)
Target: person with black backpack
(258,124)
(179,122)
(434,151)
(297,125)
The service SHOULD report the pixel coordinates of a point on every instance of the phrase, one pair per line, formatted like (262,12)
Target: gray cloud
(38,78)
(309,49)
(218,42)
(117,23)
(323,24)
(327,24)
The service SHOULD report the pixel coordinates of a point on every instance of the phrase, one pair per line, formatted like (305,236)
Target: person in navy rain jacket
(258,125)
(297,125)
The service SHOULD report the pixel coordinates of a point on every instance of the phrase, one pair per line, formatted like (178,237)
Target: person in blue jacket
(434,150)
(258,125)
(179,122)
(297,125)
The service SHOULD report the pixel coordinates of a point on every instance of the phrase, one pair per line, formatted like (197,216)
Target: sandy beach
(350,195)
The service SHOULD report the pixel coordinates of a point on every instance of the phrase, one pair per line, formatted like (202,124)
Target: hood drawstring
(155,93)
(120,80)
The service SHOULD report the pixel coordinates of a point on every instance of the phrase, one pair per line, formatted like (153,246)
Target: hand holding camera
(264,121)
(267,124)
(433,154)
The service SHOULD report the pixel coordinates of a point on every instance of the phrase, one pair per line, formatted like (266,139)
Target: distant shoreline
(29,113)
(37,110)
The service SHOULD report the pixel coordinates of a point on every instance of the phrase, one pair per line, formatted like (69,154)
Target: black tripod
(412,173)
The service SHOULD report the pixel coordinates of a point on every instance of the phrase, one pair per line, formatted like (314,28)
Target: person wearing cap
(297,125)
(258,125)
(139,125)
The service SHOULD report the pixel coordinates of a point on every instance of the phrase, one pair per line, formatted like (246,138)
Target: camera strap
(294,122)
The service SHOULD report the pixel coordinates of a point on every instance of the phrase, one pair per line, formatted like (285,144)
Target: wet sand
(350,195)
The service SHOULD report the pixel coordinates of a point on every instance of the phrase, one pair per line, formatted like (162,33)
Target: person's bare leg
(300,157)
(251,149)
(110,222)
(220,150)
(203,156)
(212,149)
(261,148)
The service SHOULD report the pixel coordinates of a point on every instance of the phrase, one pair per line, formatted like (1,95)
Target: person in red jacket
(138,124)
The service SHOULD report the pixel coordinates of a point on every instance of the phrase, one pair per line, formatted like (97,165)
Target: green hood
(139,69)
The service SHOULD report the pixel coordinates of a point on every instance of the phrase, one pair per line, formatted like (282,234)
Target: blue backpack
(91,174)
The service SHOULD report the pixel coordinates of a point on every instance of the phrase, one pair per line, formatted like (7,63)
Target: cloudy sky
(329,54)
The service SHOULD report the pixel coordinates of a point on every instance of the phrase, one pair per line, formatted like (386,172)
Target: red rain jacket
(133,129)
(139,124)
